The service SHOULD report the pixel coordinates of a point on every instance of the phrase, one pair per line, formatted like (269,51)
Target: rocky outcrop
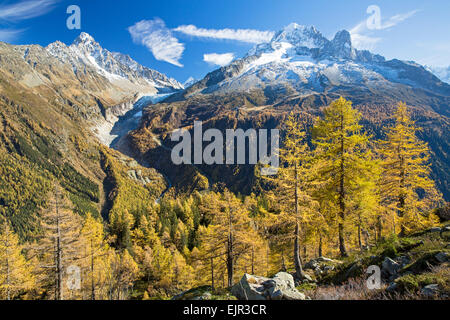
(280,287)
(321,265)
(114,112)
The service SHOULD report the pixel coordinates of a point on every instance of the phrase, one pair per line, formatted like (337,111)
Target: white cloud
(218,59)
(22,10)
(363,37)
(364,42)
(26,9)
(394,20)
(158,39)
(244,35)
(8,35)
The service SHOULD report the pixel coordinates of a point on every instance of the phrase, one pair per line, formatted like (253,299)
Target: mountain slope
(50,98)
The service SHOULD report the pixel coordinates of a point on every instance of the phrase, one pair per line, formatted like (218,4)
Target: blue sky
(174,36)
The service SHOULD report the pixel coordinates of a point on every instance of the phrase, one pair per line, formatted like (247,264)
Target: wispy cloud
(26,9)
(158,39)
(9,34)
(398,18)
(243,35)
(218,59)
(364,42)
(22,10)
(363,37)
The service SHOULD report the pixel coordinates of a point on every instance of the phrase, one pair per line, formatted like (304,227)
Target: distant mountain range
(300,69)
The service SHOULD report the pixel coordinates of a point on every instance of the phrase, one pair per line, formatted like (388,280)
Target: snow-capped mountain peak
(189,82)
(302,59)
(116,67)
(308,41)
(300,36)
(83,38)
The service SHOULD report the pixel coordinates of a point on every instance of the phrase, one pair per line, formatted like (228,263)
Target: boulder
(250,288)
(321,264)
(307,278)
(403,261)
(311,264)
(324,259)
(430,290)
(328,268)
(280,287)
(198,293)
(318,271)
(435,229)
(392,287)
(442,257)
(389,267)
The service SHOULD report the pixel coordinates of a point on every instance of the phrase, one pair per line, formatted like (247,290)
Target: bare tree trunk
(401,200)
(342,248)
(253,259)
(379,228)
(320,245)
(212,273)
(230,264)
(359,238)
(297,258)
(92,272)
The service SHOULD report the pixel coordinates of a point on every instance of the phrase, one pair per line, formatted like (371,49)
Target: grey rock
(318,271)
(307,278)
(442,257)
(392,287)
(292,295)
(280,287)
(403,261)
(430,290)
(312,264)
(324,259)
(206,296)
(250,288)
(328,268)
(389,267)
(435,229)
